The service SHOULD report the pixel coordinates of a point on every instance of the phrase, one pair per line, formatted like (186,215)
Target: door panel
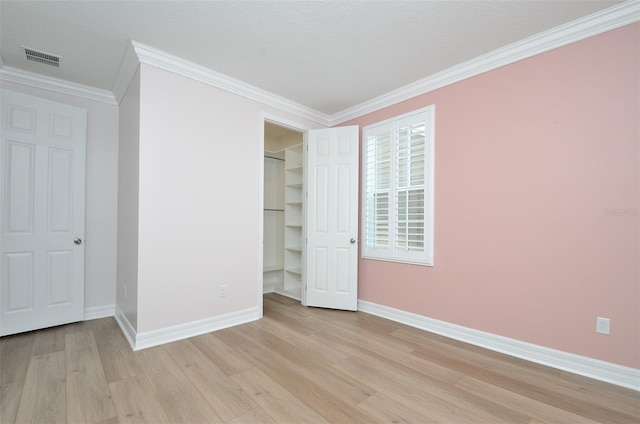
(331,260)
(321,197)
(20,163)
(60,190)
(42,158)
(60,277)
(342,267)
(19,280)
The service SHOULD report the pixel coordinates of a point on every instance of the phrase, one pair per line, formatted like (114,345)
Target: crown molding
(127,70)
(165,61)
(31,79)
(597,23)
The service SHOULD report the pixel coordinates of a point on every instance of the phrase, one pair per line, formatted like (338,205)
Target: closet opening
(283,230)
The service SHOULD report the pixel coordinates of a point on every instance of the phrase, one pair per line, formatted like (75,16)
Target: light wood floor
(295,365)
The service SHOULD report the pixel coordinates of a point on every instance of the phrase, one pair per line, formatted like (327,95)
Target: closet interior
(283,211)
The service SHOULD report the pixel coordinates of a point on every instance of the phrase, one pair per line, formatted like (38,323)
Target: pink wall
(528,159)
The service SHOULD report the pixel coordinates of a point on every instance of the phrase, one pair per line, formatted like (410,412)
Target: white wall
(177,211)
(128,160)
(101,193)
(201,164)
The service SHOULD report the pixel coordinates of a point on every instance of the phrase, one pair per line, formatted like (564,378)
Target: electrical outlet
(603,325)
(223,291)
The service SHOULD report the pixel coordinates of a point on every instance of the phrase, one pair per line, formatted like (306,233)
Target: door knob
(352,241)
(77,241)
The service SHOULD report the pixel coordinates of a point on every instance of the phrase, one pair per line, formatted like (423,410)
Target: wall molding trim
(168,62)
(153,338)
(127,329)
(594,24)
(582,365)
(127,70)
(97,312)
(31,79)
(580,29)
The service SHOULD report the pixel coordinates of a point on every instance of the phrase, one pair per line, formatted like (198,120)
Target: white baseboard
(582,365)
(148,339)
(286,293)
(127,329)
(97,312)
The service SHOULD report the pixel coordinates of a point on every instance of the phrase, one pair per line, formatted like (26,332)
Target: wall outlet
(603,325)
(224,291)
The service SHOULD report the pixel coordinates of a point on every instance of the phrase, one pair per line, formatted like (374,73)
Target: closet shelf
(270,268)
(293,219)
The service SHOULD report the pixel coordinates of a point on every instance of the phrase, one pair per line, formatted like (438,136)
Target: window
(398,188)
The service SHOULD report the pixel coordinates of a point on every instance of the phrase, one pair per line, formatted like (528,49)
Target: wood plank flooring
(297,365)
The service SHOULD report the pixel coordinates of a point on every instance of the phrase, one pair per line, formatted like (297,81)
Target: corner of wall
(144,340)
(127,329)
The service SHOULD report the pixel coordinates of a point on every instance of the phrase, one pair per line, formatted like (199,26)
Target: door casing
(297,126)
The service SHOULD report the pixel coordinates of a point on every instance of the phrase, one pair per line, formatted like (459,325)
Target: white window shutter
(397,187)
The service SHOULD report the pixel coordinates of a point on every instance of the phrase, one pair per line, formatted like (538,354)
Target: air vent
(48,59)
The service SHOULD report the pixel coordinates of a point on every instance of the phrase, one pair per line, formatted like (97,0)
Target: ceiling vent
(31,55)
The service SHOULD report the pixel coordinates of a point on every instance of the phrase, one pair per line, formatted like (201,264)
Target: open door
(331,253)
(42,191)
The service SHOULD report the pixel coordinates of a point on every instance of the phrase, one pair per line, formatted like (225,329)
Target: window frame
(392,252)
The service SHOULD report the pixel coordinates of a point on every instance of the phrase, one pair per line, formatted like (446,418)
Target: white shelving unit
(293,222)
(273,264)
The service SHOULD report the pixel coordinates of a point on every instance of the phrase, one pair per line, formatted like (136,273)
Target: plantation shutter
(378,187)
(410,159)
(398,193)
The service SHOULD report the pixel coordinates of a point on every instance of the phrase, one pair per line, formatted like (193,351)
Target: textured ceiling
(328,56)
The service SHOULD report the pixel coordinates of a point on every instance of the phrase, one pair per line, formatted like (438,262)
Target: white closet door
(331,269)
(42,183)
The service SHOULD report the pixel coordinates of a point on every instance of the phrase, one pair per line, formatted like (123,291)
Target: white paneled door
(332,218)
(42,183)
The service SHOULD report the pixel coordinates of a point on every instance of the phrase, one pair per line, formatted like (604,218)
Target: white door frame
(282,122)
